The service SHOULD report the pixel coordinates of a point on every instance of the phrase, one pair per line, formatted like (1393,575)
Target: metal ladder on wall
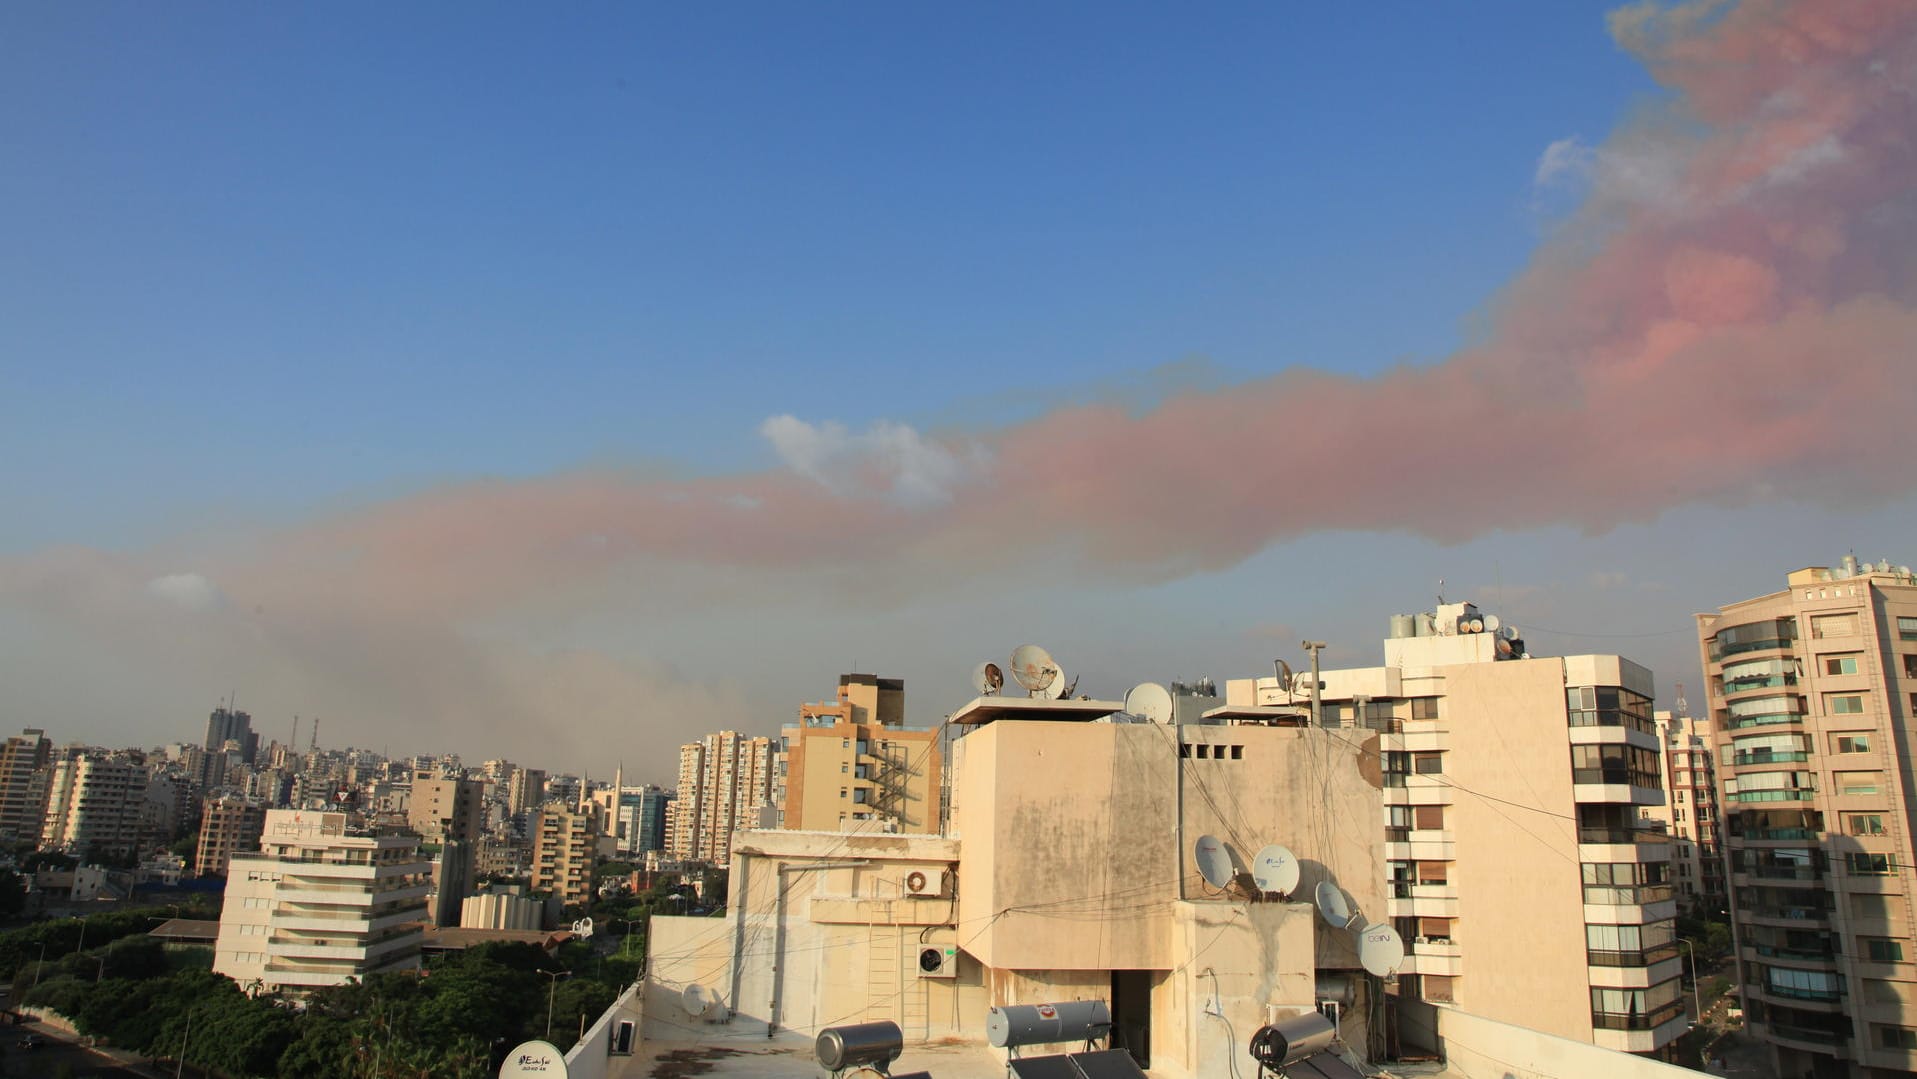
(893,989)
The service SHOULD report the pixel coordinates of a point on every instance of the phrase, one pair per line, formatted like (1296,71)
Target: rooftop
(991,709)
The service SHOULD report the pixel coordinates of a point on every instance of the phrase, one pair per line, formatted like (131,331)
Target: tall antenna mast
(293,744)
(313,746)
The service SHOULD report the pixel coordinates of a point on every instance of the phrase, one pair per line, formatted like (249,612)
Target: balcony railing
(1739,760)
(1638,1020)
(1770,834)
(1623,835)
(1772,796)
(1644,958)
(1809,1034)
(1769,951)
(1792,992)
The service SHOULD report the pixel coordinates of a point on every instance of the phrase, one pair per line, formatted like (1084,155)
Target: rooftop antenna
(294,743)
(313,746)
(1683,706)
(1441,591)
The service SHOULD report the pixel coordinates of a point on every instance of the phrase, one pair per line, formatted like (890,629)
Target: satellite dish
(1284,678)
(582,928)
(1276,870)
(1491,623)
(1150,700)
(1333,905)
(696,999)
(1477,625)
(1033,668)
(1058,688)
(1380,950)
(1504,648)
(537,1058)
(1510,633)
(1214,861)
(987,679)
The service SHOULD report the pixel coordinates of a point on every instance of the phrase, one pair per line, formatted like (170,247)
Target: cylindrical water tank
(1402,626)
(859,1045)
(1013,1025)
(1292,1040)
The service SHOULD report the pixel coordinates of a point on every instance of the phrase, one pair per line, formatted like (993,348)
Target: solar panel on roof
(1106,1064)
(1049,1067)
(1323,1066)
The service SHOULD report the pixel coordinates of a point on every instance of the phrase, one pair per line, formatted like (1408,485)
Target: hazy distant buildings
(526,790)
(446,808)
(850,763)
(724,781)
(1690,811)
(1812,692)
(22,800)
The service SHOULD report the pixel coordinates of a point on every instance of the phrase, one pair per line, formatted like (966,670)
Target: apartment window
(1855,783)
(1907,629)
(1427,764)
(841,792)
(1836,625)
(1866,864)
(1883,950)
(1864,823)
(844,767)
(1910,666)
(1424,708)
(1428,818)
(1895,1037)
(1851,743)
(1840,664)
(1397,765)
(1844,704)
(1614,762)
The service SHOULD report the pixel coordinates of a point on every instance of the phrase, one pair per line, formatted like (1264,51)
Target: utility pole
(1317,706)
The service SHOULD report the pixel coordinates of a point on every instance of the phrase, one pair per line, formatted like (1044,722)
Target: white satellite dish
(1059,686)
(582,928)
(538,1058)
(987,679)
(696,999)
(1284,678)
(1510,632)
(1333,905)
(1380,950)
(1033,668)
(1214,861)
(1150,700)
(1491,623)
(1276,870)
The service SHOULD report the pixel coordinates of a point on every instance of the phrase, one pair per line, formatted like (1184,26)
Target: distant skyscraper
(231,725)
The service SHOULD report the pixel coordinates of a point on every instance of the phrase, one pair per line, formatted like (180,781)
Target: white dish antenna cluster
(697,1000)
(1273,872)
(1032,667)
(1380,948)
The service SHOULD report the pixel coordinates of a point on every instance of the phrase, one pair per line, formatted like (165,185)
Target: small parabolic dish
(1276,870)
(987,679)
(696,999)
(1059,686)
(1033,668)
(1151,701)
(1214,861)
(1333,905)
(1380,949)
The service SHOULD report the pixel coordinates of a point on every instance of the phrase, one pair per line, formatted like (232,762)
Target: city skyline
(568,391)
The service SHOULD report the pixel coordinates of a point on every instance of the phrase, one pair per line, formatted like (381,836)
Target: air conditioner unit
(925,883)
(939,961)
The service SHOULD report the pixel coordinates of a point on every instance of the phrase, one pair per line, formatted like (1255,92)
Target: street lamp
(1697,1001)
(551,989)
(38,963)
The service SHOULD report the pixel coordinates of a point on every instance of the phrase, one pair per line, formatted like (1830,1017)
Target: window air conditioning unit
(925,883)
(938,961)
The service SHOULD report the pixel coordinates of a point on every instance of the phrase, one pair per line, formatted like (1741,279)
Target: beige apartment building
(229,825)
(1524,877)
(565,841)
(725,780)
(1812,690)
(319,903)
(1690,812)
(850,763)
(93,805)
(1067,874)
(22,809)
(442,808)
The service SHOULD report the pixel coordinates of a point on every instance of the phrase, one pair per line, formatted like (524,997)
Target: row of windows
(1614,763)
(1608,706)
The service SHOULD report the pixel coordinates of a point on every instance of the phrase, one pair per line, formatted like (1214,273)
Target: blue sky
(267,258)
(270,267)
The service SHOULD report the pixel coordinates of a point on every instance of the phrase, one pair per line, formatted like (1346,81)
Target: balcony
(1751,760)
(1640,1020)
(1642,958)
(1801,795)
(1823,956)
(1801,1037)
(1797,996)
